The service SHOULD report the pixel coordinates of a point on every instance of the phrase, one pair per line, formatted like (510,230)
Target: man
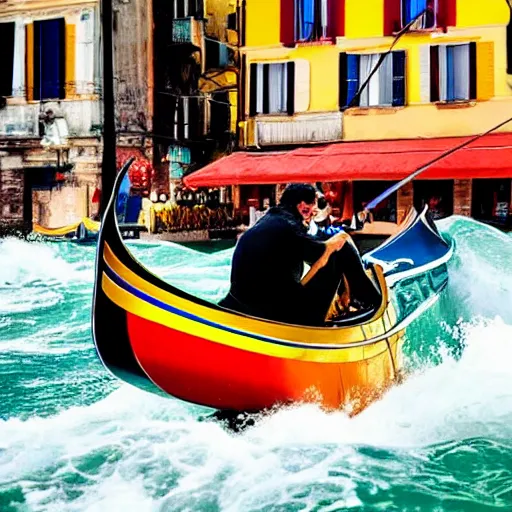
(268,265)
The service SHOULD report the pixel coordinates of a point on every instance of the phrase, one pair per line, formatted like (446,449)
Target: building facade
(195,96)
(51,116)
(50,111)
(445,77)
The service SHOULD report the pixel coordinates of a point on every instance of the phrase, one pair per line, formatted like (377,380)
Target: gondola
(164,340)
(84,231)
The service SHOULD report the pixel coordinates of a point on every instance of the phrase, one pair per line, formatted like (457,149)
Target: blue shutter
(49,59)
(223,55)
(398,78)
(352,78)
(450,73)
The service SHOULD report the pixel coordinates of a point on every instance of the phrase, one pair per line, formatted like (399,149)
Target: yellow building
(305,79)
(469,41)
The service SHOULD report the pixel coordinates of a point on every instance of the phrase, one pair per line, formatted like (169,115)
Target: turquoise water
(74,439)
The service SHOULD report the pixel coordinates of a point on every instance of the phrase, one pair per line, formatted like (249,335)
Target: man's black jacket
(268,263)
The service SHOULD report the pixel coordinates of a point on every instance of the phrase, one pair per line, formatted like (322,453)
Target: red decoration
(141,171)
(96,196)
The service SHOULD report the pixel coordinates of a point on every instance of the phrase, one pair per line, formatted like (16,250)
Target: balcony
(187,31)
(21,121)
(300,129)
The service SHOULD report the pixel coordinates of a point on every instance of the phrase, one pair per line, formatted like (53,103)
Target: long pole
(108,168)
(407,179)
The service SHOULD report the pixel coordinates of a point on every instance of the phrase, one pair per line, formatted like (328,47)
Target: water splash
(74,439)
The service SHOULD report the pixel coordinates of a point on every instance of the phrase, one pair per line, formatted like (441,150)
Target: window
(217,54)
(232,21)
(386,88)
(411,9)
(188,114)
(491,199)
(7,45)
(437,194)
(272,88)
(49,59)
(311,20)
(187,8)
(453,72)
(365,191)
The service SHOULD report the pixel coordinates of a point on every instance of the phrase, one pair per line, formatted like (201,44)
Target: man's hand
(336,242)
(333,244)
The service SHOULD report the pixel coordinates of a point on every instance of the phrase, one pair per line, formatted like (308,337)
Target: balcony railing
(187,31)
(23,120)
(298,129)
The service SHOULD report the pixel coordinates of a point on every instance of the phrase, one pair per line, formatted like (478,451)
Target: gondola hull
(84,231)
(162,339)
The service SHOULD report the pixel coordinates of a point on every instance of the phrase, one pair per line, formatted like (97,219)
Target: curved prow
(114,350)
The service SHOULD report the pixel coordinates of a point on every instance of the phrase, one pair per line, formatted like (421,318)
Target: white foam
(165,458)
(24,262)
(136,451)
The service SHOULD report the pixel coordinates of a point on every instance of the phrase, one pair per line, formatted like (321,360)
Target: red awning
(488,157)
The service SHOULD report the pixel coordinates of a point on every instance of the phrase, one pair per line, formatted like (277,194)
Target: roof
(487,157)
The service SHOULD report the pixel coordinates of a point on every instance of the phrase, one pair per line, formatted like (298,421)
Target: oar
(400,184)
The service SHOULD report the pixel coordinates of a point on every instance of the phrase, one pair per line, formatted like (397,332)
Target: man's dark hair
(295,193)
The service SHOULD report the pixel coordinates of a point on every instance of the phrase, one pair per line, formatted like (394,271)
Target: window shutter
(301,91)
(49,59)
(392,15)
(342,100)
(472,71)
(353,80)
(287,22)
(70,60)
(30,60)
(253,89)
(430,85)
(18,78)
(336,18)
(84,59)
(447,16)
(290,87)
(7,31)
(398,78)
(485,73)
(264,84)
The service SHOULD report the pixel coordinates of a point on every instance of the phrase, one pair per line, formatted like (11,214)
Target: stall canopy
(488,157)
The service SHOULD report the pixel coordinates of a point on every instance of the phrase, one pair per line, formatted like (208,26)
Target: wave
(154,452)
